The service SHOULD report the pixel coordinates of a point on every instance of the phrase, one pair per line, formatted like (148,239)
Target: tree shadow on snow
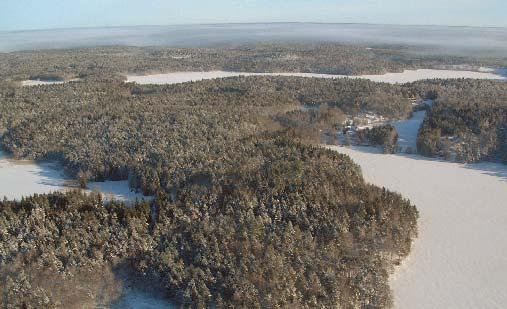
(488,168)
(491,169)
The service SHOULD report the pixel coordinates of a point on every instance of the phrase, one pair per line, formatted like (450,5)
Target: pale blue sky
(44,14)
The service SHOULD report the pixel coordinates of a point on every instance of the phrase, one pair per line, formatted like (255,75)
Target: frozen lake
(459,259)
(393,78)
(20,178)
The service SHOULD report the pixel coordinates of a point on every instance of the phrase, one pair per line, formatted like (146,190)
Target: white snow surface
(459,259)
(135,299)
(408,129)
(31,82)
(393,78)
(20,178)
(38,82)
(117,190)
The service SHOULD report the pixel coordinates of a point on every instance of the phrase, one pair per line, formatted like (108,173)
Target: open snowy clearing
(393,78)
(20,178)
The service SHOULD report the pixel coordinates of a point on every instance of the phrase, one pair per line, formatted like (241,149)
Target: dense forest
(106,129)
(247,212)
(260,232)
(467,122)
(318,58)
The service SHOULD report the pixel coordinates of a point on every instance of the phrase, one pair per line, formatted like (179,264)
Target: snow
(117,190)
(408,129)
(38,82)
(136,299)
(409,76)
(459,259)
(20,178)
(393,78)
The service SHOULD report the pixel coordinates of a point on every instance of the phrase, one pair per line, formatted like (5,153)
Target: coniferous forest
(467,122)
(248,209)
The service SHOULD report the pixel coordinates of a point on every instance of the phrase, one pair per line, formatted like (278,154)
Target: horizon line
(249,23)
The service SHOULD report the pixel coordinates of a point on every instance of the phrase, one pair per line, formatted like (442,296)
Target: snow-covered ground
(117,190)
(20,178)
(408,129)
(32,82)
(393,78)
(38,82)
(459,259)
(135,299)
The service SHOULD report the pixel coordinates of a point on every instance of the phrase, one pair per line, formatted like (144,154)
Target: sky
(50,14)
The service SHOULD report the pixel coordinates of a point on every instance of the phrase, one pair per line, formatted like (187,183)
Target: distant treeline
(316,58)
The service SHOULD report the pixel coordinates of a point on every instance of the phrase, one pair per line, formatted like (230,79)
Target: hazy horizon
(490,41)
(250,23)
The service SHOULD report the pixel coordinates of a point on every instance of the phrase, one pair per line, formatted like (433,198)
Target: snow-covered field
(459,259)
(20,178)
(393,78)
